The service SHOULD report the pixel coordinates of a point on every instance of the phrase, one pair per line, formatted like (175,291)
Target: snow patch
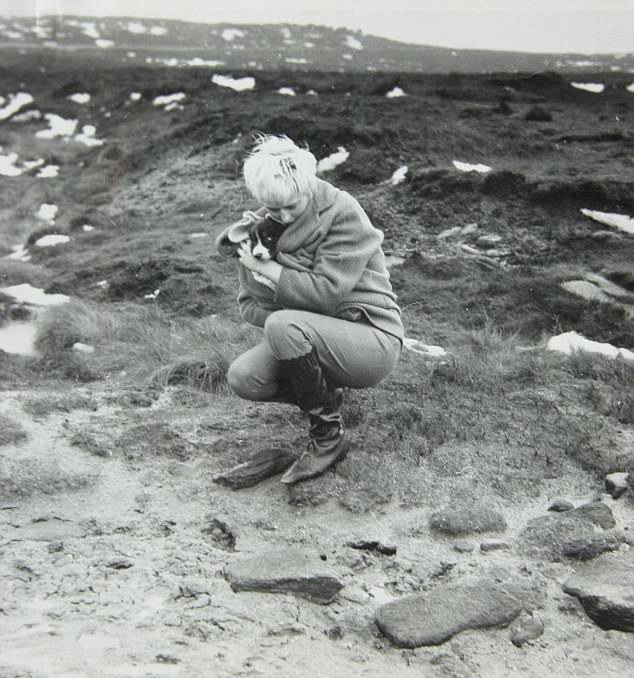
(16,102)
(89,29)
(48,172)
(353,43)
(288,91)
(26,116)
(166,99)
(158,30)
(7,165)
(87,137)
(230,34)
(136,27)
(47,212)
(399,175)
(594,87)
(296,60)
(104,44)
(620,221)
(239,84)
(396,92)
(571,343)
(51,240)
(630,88)
(197,61)
(20,253)
(80,97)
(135,96)
(467,167)
(333,160)
(58,127)
(27,294)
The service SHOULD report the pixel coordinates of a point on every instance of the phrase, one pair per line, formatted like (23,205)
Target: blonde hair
(277,171)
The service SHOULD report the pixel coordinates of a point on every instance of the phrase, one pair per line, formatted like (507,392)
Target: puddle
(18,336)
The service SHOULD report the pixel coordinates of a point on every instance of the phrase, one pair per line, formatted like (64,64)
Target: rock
(538,114)
(286,571)
(432,618)
(373,545)
(606,591)
(617,484)
(586,290)
(449,233)
(220,533)
(603,236)
(488,240)
(494,545)
(525,628)
(464,546)
(610,287)
(560,505)
(597,513)
(469,228)
(571,534)
(259,467)
(458,521)
(585,549)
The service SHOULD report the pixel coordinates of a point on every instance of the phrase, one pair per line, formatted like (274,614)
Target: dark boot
(327,443)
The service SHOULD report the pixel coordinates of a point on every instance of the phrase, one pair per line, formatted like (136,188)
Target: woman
(328,311)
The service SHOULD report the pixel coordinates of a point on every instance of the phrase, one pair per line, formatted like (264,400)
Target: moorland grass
(142,343)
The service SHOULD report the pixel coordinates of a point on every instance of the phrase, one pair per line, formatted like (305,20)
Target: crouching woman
(329,314)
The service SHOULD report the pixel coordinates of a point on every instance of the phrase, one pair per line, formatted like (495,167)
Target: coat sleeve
(254,307)
(338,265)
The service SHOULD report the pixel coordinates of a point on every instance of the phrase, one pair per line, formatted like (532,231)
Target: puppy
(254,234)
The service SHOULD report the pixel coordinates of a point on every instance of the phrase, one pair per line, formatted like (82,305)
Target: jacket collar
(324,195)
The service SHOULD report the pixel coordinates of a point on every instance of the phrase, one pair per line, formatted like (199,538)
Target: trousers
(352,354)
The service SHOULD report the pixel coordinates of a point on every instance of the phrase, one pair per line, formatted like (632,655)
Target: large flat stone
(289,570)
(572,534)
(606,591)
(432,618)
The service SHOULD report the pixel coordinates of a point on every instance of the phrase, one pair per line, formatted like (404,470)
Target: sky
(583,26)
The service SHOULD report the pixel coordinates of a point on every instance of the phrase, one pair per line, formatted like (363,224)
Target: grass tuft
(143,343)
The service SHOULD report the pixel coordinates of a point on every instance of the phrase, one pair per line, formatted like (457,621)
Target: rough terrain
(431,549)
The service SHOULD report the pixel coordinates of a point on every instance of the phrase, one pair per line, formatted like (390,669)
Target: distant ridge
(275,47)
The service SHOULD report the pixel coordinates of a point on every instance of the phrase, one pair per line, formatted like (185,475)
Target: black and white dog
(256,234)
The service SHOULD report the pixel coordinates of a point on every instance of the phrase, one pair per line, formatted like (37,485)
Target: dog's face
(264,237)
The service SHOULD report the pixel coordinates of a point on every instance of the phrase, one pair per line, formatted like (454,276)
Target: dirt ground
(116,542)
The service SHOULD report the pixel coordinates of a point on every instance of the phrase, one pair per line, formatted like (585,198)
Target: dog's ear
(240,230)
(228,241)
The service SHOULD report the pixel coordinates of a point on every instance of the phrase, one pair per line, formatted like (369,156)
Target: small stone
(560,505)
(449,233)
(464,546)
(373,545)
(434,617)
(606,591)
(488,240)
(119,563)
(525,628)
(494,545)
(476,518)
(469,228)
(616,484)
(286,571)
(83,348)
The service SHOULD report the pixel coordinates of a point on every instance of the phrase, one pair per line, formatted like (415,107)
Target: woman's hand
(268,269)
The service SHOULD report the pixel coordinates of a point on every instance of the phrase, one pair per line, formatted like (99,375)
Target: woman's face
(288,213)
